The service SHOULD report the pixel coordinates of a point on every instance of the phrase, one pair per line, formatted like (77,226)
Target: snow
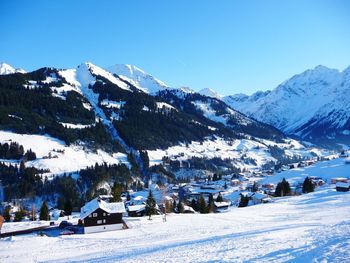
(64,159)
(230,149)
(6,69)
(138,78)
(326,170)
(161,105)
(320,95)
(290,229)
(210,93)
(113,104)
(88,208)
(75,126)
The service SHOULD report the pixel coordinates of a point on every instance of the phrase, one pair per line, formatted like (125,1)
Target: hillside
(313,105)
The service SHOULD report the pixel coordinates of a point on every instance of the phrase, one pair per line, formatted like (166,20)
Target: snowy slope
(210,93)
(313,103)
(291,229)
(6,69)
(56,156)
(138,78)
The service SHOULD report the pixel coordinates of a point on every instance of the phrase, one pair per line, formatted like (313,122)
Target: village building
(99,215)
(342,187)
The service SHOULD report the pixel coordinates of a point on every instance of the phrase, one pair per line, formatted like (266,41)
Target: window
(94,214)
(108,214)
(99,222)
(104,214)
(90,215)
(104,221)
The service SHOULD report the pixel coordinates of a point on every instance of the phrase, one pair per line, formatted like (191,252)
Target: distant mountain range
(314,105)
(135,109)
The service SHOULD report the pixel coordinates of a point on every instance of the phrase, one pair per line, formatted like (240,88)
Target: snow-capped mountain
(210,93)
(314,104)
(138,78)
(6,69)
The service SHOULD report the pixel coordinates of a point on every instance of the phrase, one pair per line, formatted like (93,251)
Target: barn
(99,216)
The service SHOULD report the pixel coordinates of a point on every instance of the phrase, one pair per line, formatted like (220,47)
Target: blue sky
(230,46)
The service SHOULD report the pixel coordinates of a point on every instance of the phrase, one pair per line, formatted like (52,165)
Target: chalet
(342,187)
(220,207)
(99,215)
(136,210)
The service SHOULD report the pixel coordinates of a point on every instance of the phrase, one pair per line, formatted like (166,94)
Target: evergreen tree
(174,205)
(244,201)
(194,205)
(202,205)
(19,215)
(150,205)
(128,197)
(117,192)
(255,187)
(283,188)
(215,177)
(210,207)
(68,207)
(7,215)
(308,186)
(44,212)
(180,207)
(219,198)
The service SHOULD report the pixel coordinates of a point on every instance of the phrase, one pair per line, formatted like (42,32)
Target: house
(342,187)
(136,210)
(99,215)
(220,207)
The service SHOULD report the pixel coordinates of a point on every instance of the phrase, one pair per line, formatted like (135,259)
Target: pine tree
(194,205)
(19,215)
(219,198)
(283,188)
(117,192)
(68,207)
(255,187)
(244,201)
(210,207)
(180,207)
(308,186)
(150,205)
(44,212)
(202,205)
(7,215)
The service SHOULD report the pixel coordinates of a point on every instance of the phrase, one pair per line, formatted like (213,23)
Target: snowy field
(55,155)
(308,228)
(326,170)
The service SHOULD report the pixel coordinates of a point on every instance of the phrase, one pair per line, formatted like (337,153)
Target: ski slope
(291,229)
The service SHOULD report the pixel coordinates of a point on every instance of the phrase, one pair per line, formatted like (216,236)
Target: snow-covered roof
(112,208)
(342,185)
(188,208)
(222,204)
(136,208)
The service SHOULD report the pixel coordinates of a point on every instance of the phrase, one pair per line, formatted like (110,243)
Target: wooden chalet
(99,215)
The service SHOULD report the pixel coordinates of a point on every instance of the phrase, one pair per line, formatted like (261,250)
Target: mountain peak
(210,93)
(6,69)
(138,77)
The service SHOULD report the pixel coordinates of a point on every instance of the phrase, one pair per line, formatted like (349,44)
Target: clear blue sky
(230,46)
